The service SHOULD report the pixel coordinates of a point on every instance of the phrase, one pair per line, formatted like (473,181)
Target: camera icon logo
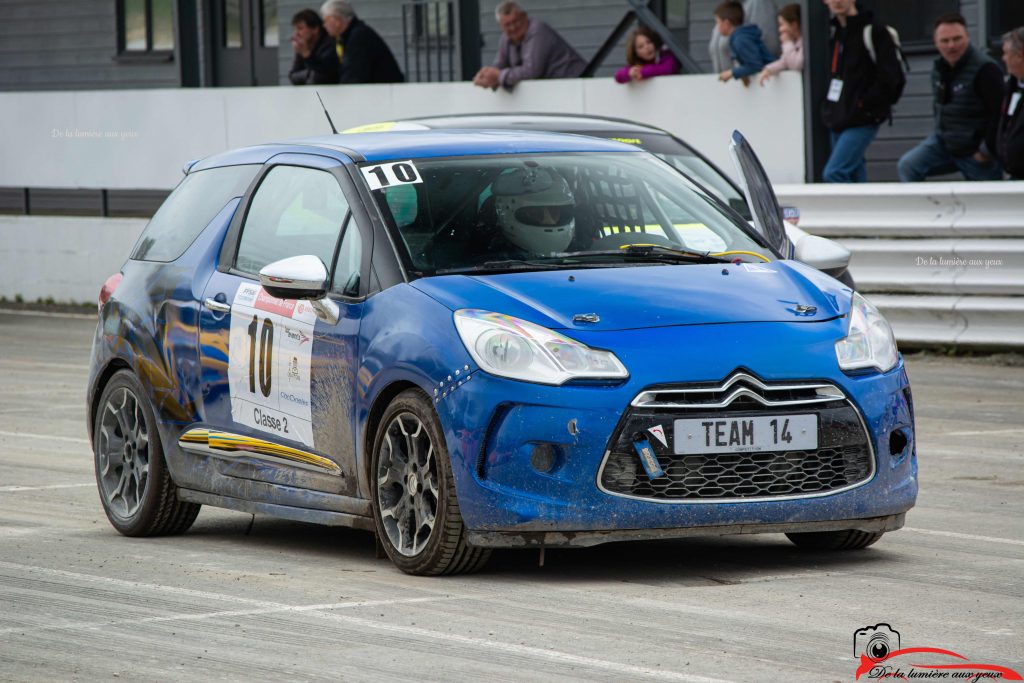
(876,642)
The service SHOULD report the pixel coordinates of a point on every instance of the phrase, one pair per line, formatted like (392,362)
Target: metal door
(244,40)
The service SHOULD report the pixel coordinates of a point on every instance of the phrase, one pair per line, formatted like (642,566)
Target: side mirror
(822,253)
(301,277)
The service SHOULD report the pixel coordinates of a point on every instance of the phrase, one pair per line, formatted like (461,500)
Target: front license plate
(746,434)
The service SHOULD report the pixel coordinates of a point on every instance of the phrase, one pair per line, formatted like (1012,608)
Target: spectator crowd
(977,111)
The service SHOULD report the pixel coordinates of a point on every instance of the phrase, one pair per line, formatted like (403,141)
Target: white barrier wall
(943,261)
(139,139)
(66,259)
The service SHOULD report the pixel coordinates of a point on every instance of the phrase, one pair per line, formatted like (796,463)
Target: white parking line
(967,537)
(265,607)
(45,437)
(13,489)
(86,626)
(982,432)
(48,314)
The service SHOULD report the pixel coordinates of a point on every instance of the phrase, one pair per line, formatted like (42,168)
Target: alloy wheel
(123,453)
(407,484)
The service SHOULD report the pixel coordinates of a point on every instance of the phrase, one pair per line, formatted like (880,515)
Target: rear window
(189,209)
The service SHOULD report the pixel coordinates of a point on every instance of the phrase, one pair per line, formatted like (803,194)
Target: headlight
(869,342)
(510,347)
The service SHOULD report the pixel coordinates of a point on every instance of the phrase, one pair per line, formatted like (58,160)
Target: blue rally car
(463,340)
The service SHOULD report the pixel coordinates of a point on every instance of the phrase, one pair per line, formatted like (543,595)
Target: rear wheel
(135,488)
(415,507)
(848,539)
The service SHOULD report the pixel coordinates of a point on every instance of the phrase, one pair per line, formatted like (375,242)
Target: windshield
(689,162)
(503,212)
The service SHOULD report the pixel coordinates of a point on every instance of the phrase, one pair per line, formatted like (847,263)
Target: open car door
(764,205)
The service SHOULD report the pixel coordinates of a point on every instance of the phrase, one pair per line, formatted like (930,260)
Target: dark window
(232,24)
(295,211)
(676,16)
(189,209)
(268,21)
(145,26)
(1005,16)
(431,22)
(914,19)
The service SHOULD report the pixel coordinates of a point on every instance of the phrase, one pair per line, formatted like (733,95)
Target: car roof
(537,121)
(417,144)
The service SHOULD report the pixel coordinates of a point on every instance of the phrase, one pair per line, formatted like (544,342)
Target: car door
(277,381)
(757,188)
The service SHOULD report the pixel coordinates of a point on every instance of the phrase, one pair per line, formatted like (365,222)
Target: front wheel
(134,485)
(848,539)
(415,507)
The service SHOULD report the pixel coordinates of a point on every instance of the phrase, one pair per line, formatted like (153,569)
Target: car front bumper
(494,425)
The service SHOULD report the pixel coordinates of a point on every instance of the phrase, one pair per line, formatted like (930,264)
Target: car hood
(649,296)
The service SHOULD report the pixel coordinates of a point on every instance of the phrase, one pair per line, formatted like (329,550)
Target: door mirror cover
(296,277)
(822,253)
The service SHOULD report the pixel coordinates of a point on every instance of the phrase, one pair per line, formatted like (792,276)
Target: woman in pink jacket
(643,58)
(792,58)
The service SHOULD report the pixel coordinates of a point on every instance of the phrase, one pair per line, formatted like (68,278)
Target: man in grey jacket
(528,49)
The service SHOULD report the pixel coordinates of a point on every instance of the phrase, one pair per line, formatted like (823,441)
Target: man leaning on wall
(528,49)
(363,55)
(315,61)
(968,88)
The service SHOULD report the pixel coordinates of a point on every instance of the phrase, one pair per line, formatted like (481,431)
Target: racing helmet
(534,209)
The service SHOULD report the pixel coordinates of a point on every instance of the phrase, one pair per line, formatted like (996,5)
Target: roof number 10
(395,173)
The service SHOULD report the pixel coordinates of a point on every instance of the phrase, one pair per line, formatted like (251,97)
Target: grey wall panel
(59,45)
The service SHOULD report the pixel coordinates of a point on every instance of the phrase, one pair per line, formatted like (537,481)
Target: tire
(134,485)
(415,508)
(848,539)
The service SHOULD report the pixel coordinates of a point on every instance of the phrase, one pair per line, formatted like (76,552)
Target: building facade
(115,44)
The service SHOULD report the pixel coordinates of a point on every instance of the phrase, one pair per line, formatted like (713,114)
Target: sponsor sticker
(659,433)
(269,357)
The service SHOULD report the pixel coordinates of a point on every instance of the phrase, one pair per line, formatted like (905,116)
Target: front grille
(842,460)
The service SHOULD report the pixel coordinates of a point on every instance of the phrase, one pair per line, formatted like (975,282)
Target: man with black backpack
(866,79)
(968,89)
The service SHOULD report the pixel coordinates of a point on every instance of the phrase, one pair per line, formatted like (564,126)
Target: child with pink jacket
(643,58)
(792,58)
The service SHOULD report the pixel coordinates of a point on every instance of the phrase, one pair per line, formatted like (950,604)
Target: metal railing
(943,261)
(428,29)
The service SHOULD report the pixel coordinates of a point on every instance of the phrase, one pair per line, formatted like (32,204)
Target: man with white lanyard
(863,86)
(1010,145)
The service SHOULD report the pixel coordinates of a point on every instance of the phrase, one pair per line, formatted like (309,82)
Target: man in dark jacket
(862,88)
(363,55)
(1010,141)
(968,90)
(315,59)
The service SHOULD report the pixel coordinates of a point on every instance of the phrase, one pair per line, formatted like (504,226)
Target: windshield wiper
(497,266)
(653,252)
